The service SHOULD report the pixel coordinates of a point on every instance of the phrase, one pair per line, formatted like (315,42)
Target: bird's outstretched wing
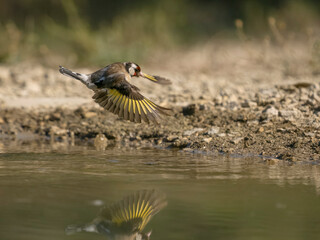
(124,100)
(132,213)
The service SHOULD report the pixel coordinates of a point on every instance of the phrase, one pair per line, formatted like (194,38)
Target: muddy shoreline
(285,128)
(244,100)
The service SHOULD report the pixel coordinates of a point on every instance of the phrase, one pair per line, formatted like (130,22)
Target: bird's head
(135,71)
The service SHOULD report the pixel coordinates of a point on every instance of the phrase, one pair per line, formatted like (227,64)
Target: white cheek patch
(132,71)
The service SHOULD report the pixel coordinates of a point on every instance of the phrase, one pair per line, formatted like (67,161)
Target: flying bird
(115,93)
(126,219)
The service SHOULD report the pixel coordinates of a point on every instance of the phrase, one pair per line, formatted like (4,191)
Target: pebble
(248,104)
(83,123)
(237,140)
(270,111)
(290,115)
(309,134)
(55,116)
(213,130)
(89,114)
(100,141)
(180,143)
(189,110)
(271,161)
(192,131)
(253,123)
(207,140)
(58,131)
(171,138)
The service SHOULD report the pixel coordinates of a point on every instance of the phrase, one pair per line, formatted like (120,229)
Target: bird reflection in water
(126,219)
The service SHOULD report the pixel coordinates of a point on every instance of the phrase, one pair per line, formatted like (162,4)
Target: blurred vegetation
(98,31)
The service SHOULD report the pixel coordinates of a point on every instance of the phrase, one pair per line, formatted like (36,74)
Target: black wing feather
(125,100)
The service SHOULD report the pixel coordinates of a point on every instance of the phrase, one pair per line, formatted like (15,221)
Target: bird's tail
(72,229)
(79,76)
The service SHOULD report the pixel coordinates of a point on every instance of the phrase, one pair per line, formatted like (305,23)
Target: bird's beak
(155,79)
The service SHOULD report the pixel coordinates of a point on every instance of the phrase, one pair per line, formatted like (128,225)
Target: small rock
(89,114)
(302,85)
(58,131)
(207,140)
(261,129)
(270,111)
(308,134)
(222,135)
(202,107)
(189,110)
(236,141)
(100,141)
(218,100)
(192,131)
(287,157)
(187,149)
(245,104)
(171,138)
(55,116)
(271,161)
(290,115)
(83,123)
(248,104)
(180,143)
(213,130)
(1,120)
(253,123)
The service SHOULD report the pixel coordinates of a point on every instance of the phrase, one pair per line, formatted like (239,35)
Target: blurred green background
(98,32)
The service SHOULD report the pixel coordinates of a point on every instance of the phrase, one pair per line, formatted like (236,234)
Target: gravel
(232,107)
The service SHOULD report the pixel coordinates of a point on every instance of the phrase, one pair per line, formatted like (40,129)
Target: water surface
(43,189)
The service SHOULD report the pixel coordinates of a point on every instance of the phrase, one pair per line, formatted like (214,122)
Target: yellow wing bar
(134,107)
(140,206)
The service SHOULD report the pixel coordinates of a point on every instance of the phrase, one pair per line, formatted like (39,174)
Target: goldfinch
(115,93)
(125,219)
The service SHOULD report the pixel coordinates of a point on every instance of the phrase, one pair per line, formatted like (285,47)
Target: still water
(45,189)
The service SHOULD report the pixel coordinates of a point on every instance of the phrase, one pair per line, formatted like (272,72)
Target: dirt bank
(227,99)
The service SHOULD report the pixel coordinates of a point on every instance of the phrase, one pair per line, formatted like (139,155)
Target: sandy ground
(233,98)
